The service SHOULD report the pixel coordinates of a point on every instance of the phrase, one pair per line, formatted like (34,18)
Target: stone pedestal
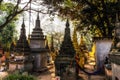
(65,68)
(21,63)
(40,61)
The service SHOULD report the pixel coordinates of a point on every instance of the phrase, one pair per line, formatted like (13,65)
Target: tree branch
(1,1)
(15,12)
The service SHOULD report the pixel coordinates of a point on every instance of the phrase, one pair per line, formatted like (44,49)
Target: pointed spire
(37,25)
(67,45)
(67,30)
(23,24)
(67,23)
(23,31)
(38,16)
(37,31)
(22,44)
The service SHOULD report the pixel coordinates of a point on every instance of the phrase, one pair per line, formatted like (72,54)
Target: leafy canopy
(95,16)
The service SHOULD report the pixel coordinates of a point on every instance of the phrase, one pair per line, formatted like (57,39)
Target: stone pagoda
(22,45)
(38,47)
(21,58)
(65,64)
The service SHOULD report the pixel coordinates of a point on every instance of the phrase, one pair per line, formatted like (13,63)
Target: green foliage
(95,16)
(19,77)
(8,33)
(7,7)
(75,42)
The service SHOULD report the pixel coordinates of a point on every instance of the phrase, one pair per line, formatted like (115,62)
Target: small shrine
(20,58)
(114,55)
(38,47)
(65,64)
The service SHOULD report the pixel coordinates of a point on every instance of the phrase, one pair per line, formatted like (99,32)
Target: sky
(48,26)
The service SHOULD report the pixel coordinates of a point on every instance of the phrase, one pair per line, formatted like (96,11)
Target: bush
(19,77)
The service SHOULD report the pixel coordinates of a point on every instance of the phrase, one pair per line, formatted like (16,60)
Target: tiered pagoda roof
(65,59)
(37,33)
(22,45)
(67,45)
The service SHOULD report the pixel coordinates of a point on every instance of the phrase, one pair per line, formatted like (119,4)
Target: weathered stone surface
(38,47)
(22,58)
(65,64)
(22,45)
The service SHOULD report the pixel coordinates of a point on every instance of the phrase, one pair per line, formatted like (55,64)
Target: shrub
(19,77)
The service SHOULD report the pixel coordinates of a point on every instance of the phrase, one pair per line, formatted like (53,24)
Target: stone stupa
(65,64)
(38,47)
(22,45)
(21,58)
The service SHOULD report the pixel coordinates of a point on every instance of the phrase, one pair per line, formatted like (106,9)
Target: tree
(96,16)
(8,33)
(78,48)
(21,6)
(13,10)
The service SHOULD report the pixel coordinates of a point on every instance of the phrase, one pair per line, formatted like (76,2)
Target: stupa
(65,64)
(22,45)
(38,47)
(21,58)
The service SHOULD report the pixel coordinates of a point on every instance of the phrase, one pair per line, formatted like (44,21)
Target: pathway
(92,77)
(46,75)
